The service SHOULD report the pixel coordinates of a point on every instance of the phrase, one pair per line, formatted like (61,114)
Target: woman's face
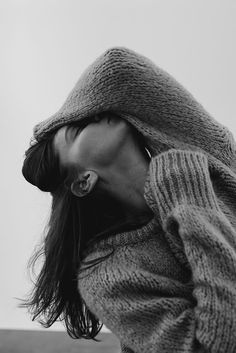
(93,146)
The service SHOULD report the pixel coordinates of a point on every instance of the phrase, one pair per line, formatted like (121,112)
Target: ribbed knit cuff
(178,177)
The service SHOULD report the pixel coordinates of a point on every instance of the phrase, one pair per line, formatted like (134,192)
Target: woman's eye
(78,128)
(81,125)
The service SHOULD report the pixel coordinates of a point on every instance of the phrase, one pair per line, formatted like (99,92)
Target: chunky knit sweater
(170,286)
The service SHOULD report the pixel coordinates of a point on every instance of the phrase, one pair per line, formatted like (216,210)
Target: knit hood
(132,86)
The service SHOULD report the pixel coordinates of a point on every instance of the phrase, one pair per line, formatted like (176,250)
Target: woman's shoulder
(121,234)
(144,249)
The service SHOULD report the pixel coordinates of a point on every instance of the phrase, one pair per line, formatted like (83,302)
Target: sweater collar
(129,232)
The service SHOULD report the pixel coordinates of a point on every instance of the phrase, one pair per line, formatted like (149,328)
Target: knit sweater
(170,286)
(150,99)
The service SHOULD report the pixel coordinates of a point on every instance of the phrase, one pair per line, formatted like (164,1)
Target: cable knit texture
(170,285)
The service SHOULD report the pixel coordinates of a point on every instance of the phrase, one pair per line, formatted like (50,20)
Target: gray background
(45,46)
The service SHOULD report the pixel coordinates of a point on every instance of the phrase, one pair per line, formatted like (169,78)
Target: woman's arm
(183,198)
(152,313)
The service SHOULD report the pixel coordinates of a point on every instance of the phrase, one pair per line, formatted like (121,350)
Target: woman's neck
(125,181)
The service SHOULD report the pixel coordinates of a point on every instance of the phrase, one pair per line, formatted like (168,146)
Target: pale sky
(46,44)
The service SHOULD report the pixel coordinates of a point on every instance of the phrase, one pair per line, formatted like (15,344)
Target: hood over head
(160,108)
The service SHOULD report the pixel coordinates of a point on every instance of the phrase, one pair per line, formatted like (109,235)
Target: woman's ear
(84,183)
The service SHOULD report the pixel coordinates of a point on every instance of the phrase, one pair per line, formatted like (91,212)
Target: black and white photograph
(118,176)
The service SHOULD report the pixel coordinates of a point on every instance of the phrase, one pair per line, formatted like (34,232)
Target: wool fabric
(131,85)
(169,286)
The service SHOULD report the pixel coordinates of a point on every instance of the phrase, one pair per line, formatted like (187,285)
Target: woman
(142,233)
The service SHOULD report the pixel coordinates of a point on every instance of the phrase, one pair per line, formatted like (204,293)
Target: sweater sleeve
(150,312)
(183,198)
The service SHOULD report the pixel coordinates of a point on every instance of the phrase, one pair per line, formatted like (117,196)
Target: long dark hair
(55,295)
(73,224)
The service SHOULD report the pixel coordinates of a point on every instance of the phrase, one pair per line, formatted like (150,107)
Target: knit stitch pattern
(131,85)
(171,285)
